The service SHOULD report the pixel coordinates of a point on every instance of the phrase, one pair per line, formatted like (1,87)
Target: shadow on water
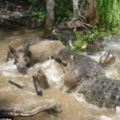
(4,106)
(4,103)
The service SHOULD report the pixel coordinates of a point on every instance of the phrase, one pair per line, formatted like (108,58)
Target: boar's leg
(11,53)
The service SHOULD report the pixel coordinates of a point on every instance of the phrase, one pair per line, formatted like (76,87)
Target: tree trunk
(75,8)
(92,11)
(50,4)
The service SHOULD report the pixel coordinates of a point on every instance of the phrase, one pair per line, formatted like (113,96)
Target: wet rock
(42,80)
(54,74)
(112,43)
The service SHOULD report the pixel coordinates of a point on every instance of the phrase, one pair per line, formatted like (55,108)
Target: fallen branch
(14,113)
(16,84)
(109,59)
(37,86)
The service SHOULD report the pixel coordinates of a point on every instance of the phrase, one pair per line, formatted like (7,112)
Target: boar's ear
(11,53)
(29,54)
(27,51)
(12,50)
(27,47)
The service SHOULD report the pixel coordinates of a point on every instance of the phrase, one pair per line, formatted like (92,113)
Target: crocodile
(85,76)
(101,92)
(77,67)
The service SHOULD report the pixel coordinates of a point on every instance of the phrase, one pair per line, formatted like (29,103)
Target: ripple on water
(8,68)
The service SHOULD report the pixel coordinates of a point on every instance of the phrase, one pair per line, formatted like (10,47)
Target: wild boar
(27,56)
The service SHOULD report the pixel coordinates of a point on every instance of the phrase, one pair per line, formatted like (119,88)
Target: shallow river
(72,106)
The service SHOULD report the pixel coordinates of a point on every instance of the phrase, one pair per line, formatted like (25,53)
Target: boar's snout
(22,69)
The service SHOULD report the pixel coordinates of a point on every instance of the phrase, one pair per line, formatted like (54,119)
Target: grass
(109,13)
(80,43)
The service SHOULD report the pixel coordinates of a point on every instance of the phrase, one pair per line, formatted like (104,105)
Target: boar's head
(22,56)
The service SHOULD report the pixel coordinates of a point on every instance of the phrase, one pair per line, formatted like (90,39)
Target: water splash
(103,117)
(79,97)
(50,68)
(8,68)
(118,109)
(112,43)
(53,72)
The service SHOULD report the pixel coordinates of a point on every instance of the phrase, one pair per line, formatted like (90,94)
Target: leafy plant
(109,13)
(80,43)
(83,40)
(37,9)
(63,10)
(53,117)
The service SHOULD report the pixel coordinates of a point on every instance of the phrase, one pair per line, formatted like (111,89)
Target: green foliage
(37,9)
(63,10)
(52,117)
(109,13)
(95,33)
(82,40)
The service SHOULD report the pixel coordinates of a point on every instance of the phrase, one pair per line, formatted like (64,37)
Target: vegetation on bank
(37,9)
(109,13)
(105,12)
(63,10)
(83,40)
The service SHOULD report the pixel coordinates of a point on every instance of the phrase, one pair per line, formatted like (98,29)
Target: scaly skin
(77,67)
(102,92)
(87,77)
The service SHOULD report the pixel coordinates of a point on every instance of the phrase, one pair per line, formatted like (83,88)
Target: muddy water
(72,106)
(112,44)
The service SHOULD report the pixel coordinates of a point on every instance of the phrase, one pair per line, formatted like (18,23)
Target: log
(37,86)
(14,113)
(16,84)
